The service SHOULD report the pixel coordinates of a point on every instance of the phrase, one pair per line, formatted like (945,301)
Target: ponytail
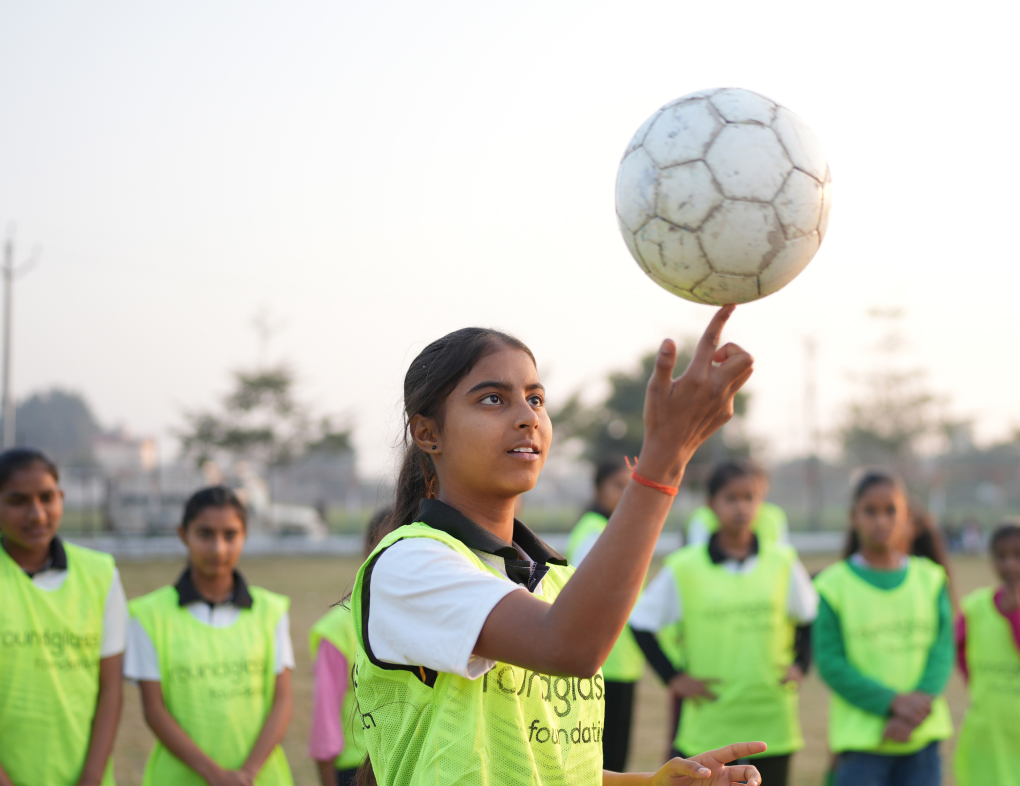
(416,481)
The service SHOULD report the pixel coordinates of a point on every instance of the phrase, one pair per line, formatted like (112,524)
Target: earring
(433,447)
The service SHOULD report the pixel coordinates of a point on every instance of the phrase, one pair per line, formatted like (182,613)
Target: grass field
(313,584)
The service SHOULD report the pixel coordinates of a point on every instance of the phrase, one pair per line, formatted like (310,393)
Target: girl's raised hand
(709,769)
(680,414)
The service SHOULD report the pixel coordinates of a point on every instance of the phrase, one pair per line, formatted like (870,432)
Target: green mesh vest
(511,727)
(888,635)
(337,627)
(988,750)
(50,643)
(736,629)
(218,683)
(626,662)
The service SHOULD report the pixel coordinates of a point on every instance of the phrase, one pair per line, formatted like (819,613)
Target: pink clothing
(1012,617)
(326,736)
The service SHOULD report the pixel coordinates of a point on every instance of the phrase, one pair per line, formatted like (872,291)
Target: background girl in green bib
(740,607)
(213,659)
(883,643)
(625,664)
(63,618)
(478,662)
(988,645)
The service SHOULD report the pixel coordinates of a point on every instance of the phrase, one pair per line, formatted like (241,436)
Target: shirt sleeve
(829,651)
(140,659)
(659,604)
(942,653)
(326,735)
(583,548)
(115,619)
(802,603)
(284,645)
(428,605)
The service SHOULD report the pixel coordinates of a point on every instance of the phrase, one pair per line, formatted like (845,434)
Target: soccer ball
(723,196)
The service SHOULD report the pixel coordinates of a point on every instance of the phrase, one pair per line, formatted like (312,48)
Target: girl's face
(737,502)
(495,432)
(1006,560)
(214,540)
(31,504)
(610,490)
(881,518)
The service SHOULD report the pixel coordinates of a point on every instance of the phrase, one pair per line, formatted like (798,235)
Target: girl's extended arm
(104,722)
(574,635)
(707,769)
(177,741)
(275,726)
(4,779)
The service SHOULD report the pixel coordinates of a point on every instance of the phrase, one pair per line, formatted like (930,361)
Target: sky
(374,175)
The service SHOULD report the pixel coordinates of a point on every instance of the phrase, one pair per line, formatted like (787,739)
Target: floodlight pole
(9,273)
(8,408)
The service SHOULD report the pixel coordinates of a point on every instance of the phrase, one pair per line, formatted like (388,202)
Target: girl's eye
(535,401)
(492,398)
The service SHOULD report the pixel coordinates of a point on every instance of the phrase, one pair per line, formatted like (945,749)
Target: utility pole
(10,273)
(812,465)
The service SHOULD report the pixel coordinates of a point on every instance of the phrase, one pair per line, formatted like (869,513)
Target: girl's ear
(181,533)
(425,433)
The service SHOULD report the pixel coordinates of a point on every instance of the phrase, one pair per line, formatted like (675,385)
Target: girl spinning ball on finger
(478,663)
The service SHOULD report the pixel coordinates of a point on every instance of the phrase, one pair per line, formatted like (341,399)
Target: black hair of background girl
(430,378)
(606,468)
(15,460)
(1004,530)
(213,497)
(732,469)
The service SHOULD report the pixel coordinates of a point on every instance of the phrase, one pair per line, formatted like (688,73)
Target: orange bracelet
(671,491)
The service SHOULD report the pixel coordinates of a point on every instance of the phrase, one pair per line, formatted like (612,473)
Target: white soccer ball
(723,196)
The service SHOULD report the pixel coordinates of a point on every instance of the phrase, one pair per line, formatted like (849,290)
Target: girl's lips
(523,456)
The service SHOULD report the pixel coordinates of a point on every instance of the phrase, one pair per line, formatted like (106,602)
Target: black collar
(597,508)
(188,594)
(441,516)
(57,560)
(717,555)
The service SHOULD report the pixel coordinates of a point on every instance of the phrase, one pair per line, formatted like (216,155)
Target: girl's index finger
(713,334)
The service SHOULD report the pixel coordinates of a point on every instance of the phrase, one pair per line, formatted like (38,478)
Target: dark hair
(213,497)
(606,468)
(732,469)
(867,481)
(16,459)
(429,380)
(377,528)
(1004,530)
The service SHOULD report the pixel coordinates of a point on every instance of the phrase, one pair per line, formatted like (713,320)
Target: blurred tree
(615,426)
(61,424)
(895,411)
(260,421)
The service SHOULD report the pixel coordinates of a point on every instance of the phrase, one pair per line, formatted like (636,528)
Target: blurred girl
(625,664)
(738,601)
(335,738)
(63,622)
(883,643)
(478,662)
(213,658)
(988,647)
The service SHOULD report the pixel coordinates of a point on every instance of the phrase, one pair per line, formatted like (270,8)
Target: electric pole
(10,273)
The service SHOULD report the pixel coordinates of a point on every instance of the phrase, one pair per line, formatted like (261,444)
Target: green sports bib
(50,643)
(218,683)
(626,662)
(511,727)
(988,750)
(888,635)
(337,627)
(736,630)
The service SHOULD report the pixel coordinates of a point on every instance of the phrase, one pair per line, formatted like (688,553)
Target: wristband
(670,491)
